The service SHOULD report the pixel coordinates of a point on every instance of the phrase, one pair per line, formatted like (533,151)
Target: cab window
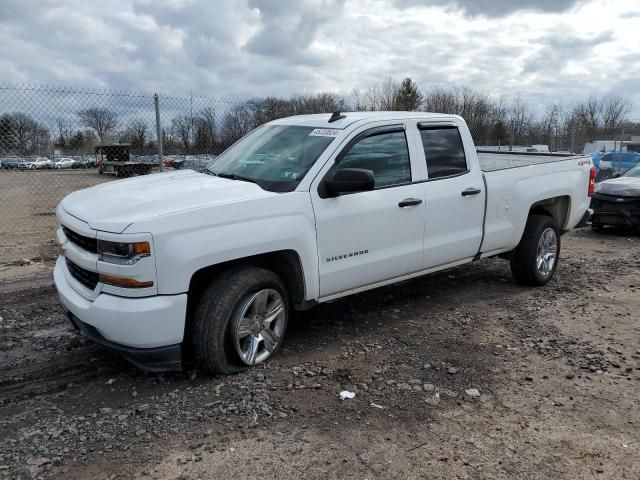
(443,151)
(386,154)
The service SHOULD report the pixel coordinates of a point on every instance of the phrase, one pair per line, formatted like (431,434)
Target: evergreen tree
(409,96)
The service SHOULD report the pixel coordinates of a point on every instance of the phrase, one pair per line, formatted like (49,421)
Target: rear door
(454,196)
(368,237)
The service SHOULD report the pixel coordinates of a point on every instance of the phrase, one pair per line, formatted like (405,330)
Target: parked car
(40,163)
(26,164)
(171,161)
(87,163)
(12,163)
(301,211)
(611,163)
(616,202)
(64,163)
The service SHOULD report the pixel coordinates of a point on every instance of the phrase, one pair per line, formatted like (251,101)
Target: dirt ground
(556,369)
(28,201)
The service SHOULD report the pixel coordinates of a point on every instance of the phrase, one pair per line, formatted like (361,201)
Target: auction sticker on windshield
(324,132)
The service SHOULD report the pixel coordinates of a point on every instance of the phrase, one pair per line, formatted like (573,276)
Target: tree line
(492,121)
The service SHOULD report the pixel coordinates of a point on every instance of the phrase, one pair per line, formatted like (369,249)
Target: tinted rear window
(443,151)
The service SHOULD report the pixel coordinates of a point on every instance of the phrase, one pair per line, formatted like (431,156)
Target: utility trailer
(116,159)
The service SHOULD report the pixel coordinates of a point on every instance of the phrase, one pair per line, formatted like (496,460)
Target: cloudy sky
(544,49)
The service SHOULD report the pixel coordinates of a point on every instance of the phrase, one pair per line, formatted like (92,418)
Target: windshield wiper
(233,176)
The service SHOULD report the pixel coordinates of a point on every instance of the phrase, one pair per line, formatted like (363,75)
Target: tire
(213,334)
(524,263)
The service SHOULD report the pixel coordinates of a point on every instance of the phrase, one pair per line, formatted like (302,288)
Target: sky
(544,50)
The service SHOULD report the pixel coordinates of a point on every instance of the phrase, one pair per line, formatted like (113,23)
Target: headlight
(123,253)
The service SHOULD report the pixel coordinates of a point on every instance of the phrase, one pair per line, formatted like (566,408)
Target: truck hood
(622,187)
(113,206)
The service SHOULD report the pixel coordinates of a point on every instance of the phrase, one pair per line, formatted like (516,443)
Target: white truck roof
(321,120)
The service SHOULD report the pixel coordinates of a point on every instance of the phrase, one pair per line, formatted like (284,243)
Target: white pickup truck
(302,210)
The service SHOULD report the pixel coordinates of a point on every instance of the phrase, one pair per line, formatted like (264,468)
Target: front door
(368,237)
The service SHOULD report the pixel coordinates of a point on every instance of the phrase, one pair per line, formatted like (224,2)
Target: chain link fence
(54,141)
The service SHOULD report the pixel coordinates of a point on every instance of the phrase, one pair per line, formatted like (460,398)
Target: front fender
(190,241)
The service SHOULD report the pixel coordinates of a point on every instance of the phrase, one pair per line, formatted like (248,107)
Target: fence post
(511,136)
(156,100)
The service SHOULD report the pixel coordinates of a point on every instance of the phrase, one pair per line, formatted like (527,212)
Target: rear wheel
(535,259)
(240,320)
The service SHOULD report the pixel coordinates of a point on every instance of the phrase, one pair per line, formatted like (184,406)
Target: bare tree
(615,108)
(137,133)
(389,93)
(208,123)
(235,124)
(589,115)
(181,127)
(478,111)
(520,119)
(102,120)
(65,132)
(440,100)
(550,126)
(20,132)
(358,103)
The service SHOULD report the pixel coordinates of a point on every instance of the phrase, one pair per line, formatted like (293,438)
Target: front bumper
(160,359)
(147,331)
(620,217)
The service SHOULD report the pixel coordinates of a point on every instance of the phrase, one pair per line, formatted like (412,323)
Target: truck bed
(492,161)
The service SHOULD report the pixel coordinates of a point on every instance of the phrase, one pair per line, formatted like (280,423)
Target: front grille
(85,277)
(87,243)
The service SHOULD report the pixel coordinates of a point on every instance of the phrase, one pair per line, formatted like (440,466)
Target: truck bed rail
(491,160)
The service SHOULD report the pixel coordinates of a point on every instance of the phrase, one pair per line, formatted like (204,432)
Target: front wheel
(535,259)
(240,320)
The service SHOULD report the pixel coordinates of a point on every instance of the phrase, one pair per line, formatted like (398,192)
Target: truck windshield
(276,157)
(633,172)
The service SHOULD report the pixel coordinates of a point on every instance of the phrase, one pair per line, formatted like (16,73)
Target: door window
(444,152)
(385,154)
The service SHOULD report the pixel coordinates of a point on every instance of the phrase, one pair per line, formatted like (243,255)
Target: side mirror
(349,180)
(616,175)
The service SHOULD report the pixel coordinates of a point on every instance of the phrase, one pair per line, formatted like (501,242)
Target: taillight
(592,181)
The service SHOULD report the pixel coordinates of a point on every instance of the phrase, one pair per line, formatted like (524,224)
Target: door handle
(410,202)
(471,191)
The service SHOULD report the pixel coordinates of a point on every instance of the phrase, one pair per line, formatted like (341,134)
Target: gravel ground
(462,374)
